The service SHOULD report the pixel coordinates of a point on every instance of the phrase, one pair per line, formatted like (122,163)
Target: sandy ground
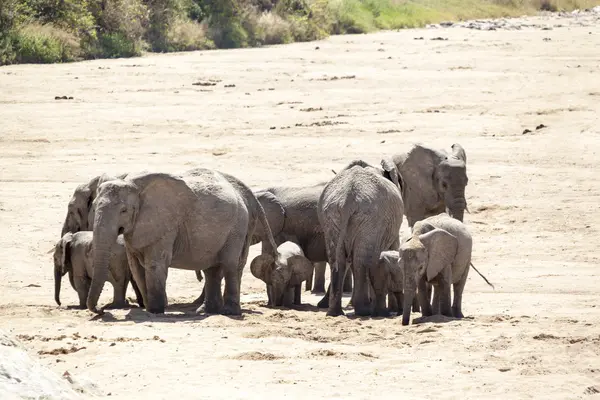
(534,201)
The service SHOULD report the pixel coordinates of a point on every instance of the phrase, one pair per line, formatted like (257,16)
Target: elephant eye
(445,185)
(123,210)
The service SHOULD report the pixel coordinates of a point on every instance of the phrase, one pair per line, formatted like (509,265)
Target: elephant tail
(484,278)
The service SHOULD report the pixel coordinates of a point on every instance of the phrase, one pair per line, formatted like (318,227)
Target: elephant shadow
(176,312)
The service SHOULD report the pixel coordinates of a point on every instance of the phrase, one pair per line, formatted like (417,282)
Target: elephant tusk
(484,278)
(467,208)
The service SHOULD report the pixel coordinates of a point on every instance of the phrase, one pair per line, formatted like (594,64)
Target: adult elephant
(361,212)
(200,220)
(292,216)
(434,181)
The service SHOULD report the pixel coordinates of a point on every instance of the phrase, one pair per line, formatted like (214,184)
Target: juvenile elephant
(73,255)
(292,216)
(438,253)
(80,216)
(434,181)
(283,275)
(360,211)
(202,219)
(390,261)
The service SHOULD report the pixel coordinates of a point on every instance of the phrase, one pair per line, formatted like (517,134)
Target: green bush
(44,44)
(116,45)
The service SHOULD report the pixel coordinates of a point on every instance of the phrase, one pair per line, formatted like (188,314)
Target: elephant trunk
(456,204)
(105,235)
(409,296)
(57,281)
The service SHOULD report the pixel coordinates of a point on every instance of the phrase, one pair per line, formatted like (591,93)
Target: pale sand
(534,201)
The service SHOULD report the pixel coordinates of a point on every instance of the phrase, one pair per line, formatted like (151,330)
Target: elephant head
(62,262)
(281,274)
(388,170)
(434,179)
(423,257)
(144,208)
(80,215)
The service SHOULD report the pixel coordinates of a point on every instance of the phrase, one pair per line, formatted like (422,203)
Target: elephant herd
(134,227)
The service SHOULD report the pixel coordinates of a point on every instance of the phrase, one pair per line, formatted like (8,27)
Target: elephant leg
(231,296)
(393,302)
(270,301)
(156,281)
(415,305)
(119,289)
(435,304)
(360,300)
(319,286)
(200,300)
(324,302)
(348,283)
(298,294)
(139,278)
(213,301)
(289,296)
(423,299)
(138,293)
(309,280)
(82,286)
(445,304)
(458,291)
(399,300)
(335,292)
(378,279)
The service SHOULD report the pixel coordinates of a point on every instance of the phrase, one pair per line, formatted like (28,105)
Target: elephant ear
(164,202)
(421,227)
(65,261)
(442,248)
(459,152)
(417,169)
(274,211)
(391,173)
(301,269)
(262,267)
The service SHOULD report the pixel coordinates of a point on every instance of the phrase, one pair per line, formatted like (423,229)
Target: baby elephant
(438,253)
(390,261)
(284,275)
(73,255)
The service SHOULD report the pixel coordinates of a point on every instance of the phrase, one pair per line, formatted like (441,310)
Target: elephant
(283,275)
(434,180)
(438,253)
(389,260)
(202,219)
(73,255)
(80,216)
(292,215)
(361,212)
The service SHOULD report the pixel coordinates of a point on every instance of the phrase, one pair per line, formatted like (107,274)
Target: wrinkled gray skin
(200,220)
(361,211)
(292,215)
(434,180)
(73,255)
(389,260)
(438,253)
(283,275)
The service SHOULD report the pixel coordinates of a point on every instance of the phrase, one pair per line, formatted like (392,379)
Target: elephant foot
(317,289)
(208,309)
(324,303)
(117,305)
(381,312)
(362,311)
(335,312)
(231,309)
(457,313)
(156,310)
